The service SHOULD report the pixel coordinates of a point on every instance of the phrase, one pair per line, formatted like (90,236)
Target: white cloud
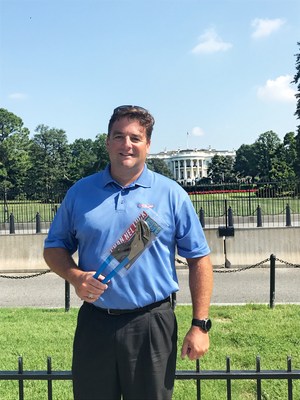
(278,89)
(196,131)
(265,27)
(210,42)
(17,96)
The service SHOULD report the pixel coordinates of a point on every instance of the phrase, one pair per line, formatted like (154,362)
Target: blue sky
(219,70)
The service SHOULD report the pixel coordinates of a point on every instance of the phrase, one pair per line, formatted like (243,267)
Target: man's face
(127,145)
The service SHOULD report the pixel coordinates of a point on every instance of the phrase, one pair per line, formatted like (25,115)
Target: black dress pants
(130,356)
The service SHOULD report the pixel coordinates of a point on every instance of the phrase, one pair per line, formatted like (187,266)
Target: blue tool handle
(114,271)
(103,266)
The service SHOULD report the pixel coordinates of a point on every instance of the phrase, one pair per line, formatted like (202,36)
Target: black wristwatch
(204,324)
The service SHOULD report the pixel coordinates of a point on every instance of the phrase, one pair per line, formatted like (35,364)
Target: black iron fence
(241,205)
(26,216)
(198,375)
(264,204)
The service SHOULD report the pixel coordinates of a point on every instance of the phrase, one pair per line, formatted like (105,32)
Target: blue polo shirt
(97,210)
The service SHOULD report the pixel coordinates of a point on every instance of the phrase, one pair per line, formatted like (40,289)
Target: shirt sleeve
(190,237)
(61,233)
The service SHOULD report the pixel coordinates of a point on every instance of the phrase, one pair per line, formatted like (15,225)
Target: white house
(188,166)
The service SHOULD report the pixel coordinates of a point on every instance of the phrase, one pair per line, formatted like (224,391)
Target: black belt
(112,311)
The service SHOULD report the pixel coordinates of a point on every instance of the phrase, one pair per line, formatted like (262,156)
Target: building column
(198,169)
(192,170)
(174,169)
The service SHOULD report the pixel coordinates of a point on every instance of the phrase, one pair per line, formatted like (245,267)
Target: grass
(241,332)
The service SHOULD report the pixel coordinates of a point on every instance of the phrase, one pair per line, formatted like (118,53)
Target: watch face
(207,325)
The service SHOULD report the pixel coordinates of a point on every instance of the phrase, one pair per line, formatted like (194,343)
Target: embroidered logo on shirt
(143,205)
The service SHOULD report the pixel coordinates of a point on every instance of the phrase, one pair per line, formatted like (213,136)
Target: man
(126,337)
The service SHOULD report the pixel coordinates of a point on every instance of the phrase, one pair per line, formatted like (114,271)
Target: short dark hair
(138,113)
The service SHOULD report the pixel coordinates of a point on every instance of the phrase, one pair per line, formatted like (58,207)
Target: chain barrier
(289,264)
(221,269)
(231,270)
(26,276)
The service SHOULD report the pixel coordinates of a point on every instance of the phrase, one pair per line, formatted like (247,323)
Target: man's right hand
(88,288)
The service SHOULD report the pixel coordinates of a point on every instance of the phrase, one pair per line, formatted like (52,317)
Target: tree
(50,155)
(265,149)
(283,160)
(9,124)
(100,152)
(4,183)
(296,81)
(83,159)
(245,163)
(15,155)
(158,165)
(287,152)
(290,148)
(14,152)
(267,158)
(220,169)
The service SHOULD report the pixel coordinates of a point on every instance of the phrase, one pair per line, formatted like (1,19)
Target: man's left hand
(195,343)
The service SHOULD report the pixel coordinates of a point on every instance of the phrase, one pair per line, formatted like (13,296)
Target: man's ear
(148,143)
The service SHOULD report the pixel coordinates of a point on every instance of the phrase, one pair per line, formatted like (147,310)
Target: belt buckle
(109,312)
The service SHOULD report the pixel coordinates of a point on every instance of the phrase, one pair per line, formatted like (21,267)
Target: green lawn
(241,332)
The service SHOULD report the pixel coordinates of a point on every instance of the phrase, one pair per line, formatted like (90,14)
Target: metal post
(228,381)
(21,382)
(198,386)
(201,216)
(272,280)
(226,214)
(230,216)
(227,262)
(38,223)
(249,201)
(67,296)
(288,216)
(258,381)
(258,216)
(290,381)
(5,208)
(11,223)
(49,372)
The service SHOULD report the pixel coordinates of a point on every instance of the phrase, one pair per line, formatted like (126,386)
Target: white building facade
(189,166)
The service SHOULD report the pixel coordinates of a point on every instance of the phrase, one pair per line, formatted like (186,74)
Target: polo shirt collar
(143,180)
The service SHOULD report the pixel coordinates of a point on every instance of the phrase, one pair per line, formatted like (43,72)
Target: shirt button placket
(121,200)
